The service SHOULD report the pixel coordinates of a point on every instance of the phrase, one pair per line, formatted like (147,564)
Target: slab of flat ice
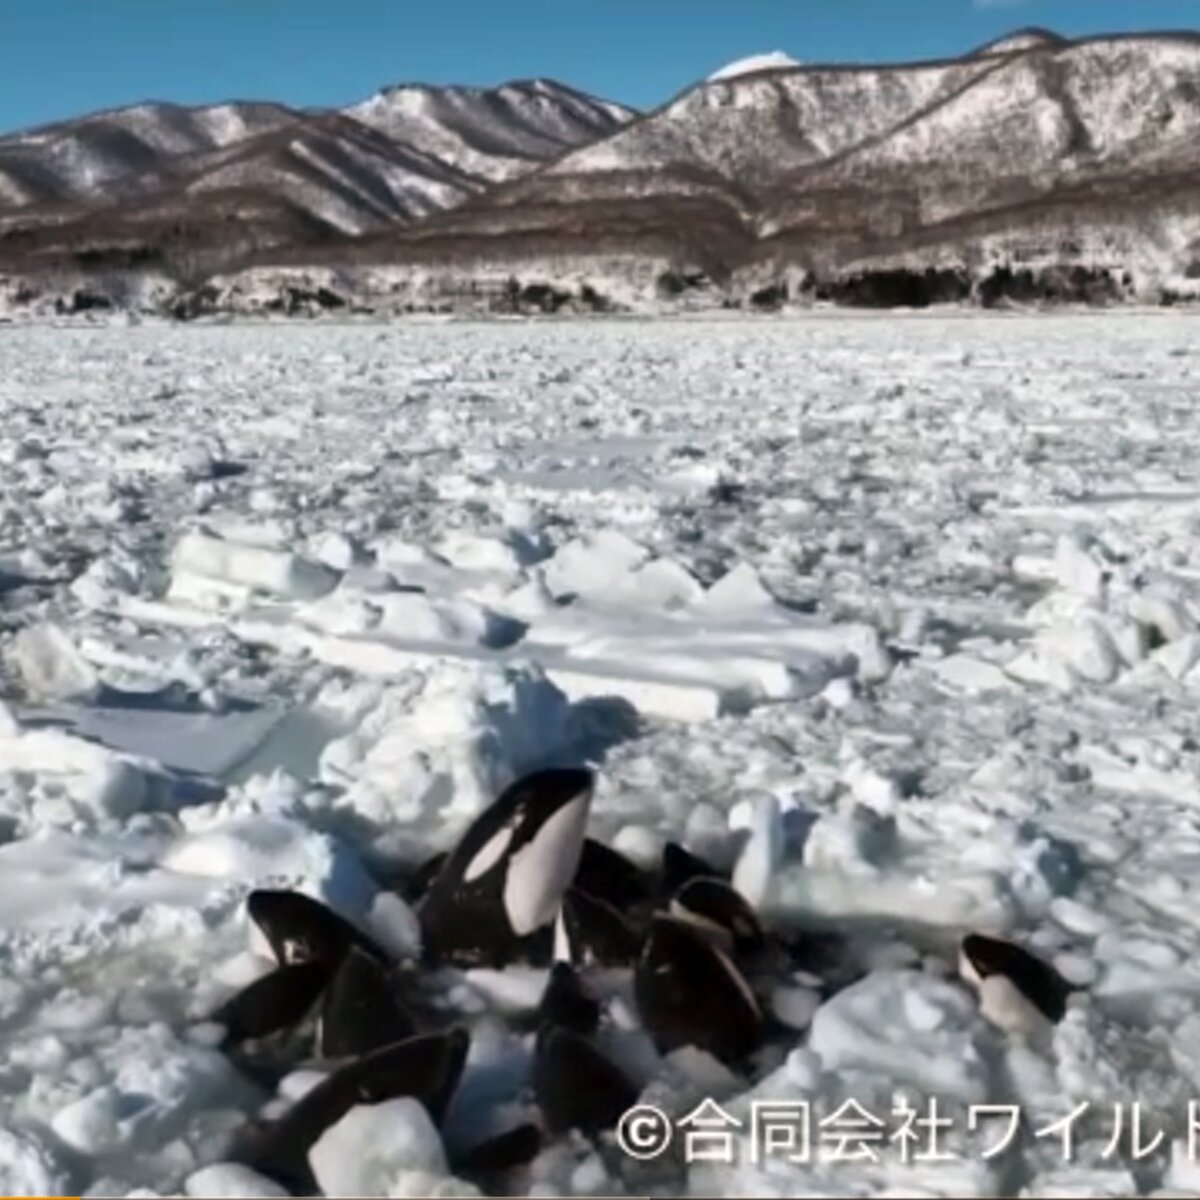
(256,568)
(201,743)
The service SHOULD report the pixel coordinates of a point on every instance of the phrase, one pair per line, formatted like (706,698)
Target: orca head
(506,877)
(722,914)
(548,821)
(301,929)
(1010,979)
(689,992)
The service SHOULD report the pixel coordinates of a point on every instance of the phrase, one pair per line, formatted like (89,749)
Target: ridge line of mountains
(1032,170)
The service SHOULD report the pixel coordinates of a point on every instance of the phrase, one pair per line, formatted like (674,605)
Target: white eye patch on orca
(542,869)
(491,852)
(294,950)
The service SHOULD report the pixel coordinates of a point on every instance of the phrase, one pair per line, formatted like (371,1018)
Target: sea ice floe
(388,1149)
(27,1167)
(879,576)
(204,564)
(226,1181)
(912,1029)
(254,851)
(50,666)
(444,740)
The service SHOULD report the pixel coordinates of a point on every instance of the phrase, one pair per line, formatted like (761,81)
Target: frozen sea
(288,604)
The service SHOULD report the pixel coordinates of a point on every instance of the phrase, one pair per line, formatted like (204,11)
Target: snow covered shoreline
(289,603)
(664,318)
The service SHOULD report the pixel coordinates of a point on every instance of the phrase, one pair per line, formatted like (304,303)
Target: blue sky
(62,57)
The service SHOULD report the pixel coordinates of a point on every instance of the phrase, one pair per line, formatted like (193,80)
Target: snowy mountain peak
(1027,38)
(773,60)
(1077,154)
(403,154)
(494,133)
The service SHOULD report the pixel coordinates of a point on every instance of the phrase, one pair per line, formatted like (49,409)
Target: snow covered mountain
(497,133)
(1027,38)
(494,134)
(338,170)
(199,189)
(1033,154)
(81,159)
(772,61)
(1030,168)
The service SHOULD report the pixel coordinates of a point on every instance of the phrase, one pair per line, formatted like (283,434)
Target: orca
(505,1152)
(427,1067)
(422,879)
(505,879)
(1017,990)
(721,912)
(590,930)
(564,1003)
(361,1010)
(680,865)
(606,875)
(689,992)
(576,1087)
(301,929)
(274,1002)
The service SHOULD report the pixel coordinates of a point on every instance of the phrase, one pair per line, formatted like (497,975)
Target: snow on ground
(911,603)
(770,61)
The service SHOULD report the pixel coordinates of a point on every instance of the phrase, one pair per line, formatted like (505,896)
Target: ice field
(909,604)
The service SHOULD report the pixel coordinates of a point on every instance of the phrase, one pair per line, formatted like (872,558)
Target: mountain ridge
(792,181)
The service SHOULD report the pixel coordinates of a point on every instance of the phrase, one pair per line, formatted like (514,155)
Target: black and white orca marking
(720,913)
(362,1010)
(606,875)
(427,1068)
(679,866)
(576,1087)
(505,879)
(689,993)
(301,929)
(589,930)
(565,1005)
(1018,992)
(274,1002)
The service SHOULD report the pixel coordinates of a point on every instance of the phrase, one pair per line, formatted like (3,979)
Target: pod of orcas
(525,884)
